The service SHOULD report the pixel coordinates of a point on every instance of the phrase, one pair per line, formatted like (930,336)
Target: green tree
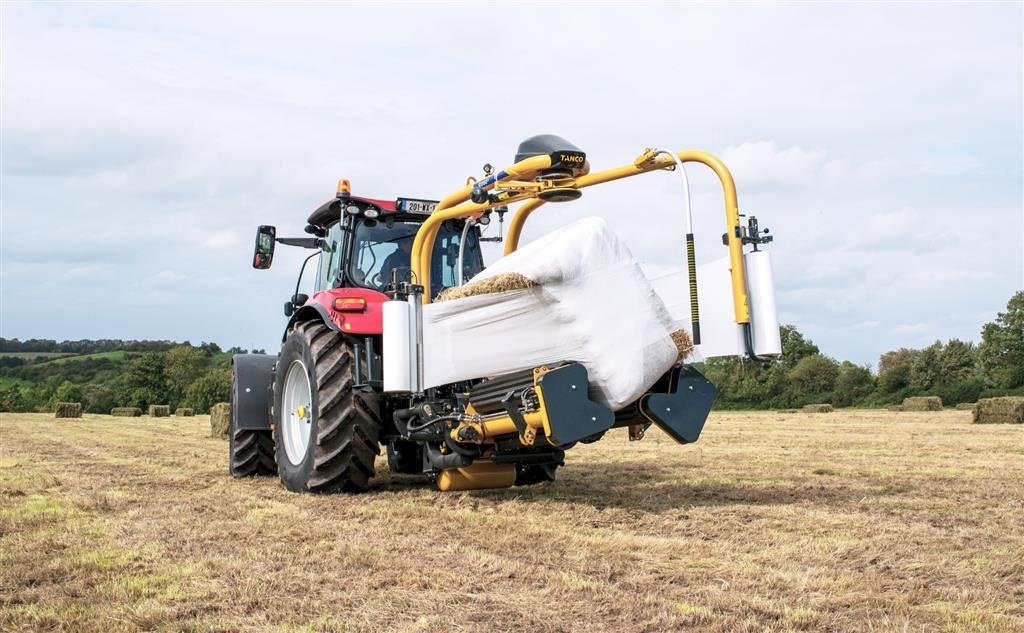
(958,362)
(12,400)
(926,371)
(209,389)
(182,366)
(98,398)
(1001,352)
(795,347)
(813,379)
(853,384)
(143,382)
(895,369)
(66,392)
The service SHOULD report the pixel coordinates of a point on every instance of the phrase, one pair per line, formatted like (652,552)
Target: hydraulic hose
(691,257)
(443,462)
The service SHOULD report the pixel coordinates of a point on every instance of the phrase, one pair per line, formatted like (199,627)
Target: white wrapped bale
(591,304)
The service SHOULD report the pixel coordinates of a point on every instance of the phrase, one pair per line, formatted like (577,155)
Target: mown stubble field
(849,521)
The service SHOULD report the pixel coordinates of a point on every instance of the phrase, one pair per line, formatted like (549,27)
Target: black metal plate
(572,416)
(253,373)
(683,410)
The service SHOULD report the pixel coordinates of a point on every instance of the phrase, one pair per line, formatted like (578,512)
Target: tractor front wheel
(326,431)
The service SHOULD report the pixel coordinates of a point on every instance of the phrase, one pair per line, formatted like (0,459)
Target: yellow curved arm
(732,214)
(452,207)
(423,245)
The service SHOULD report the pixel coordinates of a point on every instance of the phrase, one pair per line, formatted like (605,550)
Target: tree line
(957,371)
(182,374)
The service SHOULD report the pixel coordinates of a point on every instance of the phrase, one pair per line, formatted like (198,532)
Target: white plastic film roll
(764,315)
(397,351)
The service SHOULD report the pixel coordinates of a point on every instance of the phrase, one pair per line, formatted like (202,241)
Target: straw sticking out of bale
(966,406)
(498,283)
(922,403)
(220,419)
(894,407)
(126,412)
(1007,410)
(184,412)
(68,410)
(159,410)
(817,408)
(684,344)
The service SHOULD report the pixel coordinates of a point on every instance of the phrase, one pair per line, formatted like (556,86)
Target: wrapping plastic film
(763,313)
(592,305)
(720,335)
(397,353)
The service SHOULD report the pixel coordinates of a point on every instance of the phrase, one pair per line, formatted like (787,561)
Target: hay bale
(817,408)
(68,410)
(159,410)
(894,407)
(966,406)
(922,403)
(1006,410)
(220,419)
(498,283)
(184,412)
(684,344)
(126,412)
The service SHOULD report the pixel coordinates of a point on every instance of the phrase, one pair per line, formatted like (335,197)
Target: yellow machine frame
(520,182)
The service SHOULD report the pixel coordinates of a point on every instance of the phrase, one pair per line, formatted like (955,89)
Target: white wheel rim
(296,412)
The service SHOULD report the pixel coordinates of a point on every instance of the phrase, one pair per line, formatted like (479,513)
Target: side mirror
(263,254)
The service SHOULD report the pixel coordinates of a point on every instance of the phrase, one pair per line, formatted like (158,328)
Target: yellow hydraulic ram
(525,181)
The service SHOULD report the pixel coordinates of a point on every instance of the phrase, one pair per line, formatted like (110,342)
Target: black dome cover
(563,153)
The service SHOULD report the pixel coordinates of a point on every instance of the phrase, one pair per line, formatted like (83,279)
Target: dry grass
(855,521)
(498,283)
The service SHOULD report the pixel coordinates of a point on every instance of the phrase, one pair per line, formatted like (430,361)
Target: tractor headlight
(352,210)
(371,213)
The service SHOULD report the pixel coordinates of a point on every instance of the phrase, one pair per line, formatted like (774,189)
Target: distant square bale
(894,407)
(184,412)
(68,410)
(1007,410)
(817,408)
(126,412)
(922,403)
(159,410)
(966,406)
(220,420)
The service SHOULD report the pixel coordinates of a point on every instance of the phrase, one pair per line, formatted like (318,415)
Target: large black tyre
(250,453)
(343,424)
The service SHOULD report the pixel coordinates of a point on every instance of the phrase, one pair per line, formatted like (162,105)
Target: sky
(882,144)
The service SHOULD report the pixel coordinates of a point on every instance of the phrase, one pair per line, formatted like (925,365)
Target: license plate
(411,205)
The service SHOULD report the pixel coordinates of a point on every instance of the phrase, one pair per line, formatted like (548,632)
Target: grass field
(853,521)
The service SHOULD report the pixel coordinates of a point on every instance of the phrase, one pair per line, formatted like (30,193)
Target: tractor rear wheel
(325,429)
(250,452)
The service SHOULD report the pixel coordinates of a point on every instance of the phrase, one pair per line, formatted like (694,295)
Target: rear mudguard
(252,395)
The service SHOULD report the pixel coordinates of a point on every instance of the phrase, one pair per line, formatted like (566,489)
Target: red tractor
(317,413)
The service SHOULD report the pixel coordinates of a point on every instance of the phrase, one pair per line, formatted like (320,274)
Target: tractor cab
(366,243)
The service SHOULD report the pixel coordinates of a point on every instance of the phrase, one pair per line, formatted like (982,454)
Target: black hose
(444,462)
